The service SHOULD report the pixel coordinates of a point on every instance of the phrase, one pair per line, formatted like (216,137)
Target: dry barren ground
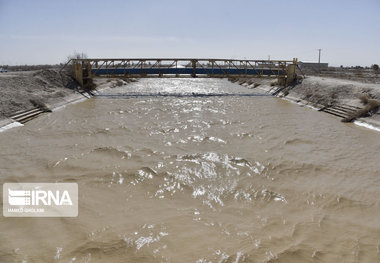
(329,91)
(21,90)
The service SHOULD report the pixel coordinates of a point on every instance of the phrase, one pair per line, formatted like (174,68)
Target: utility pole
(319,60)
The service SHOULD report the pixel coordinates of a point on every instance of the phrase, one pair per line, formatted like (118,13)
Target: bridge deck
(209,72)
(166,67)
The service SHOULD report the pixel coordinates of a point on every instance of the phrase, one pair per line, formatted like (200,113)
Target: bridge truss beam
(85,69)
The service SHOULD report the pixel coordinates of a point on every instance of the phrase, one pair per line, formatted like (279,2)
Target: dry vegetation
(274,83)
(233,80)
(119,83)
(365,75)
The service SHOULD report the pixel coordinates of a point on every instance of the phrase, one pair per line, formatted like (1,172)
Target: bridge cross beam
(86,69)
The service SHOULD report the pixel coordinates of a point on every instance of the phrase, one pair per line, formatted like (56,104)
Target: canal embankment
(351,101)
(25,94)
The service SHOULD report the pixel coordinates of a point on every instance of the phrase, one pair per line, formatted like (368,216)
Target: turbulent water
(196,179)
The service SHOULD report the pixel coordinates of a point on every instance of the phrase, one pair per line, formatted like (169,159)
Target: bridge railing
(179,67)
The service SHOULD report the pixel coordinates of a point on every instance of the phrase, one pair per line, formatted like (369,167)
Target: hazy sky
(38,31)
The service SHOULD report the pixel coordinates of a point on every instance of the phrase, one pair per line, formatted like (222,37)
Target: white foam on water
(367,125)
(10,126)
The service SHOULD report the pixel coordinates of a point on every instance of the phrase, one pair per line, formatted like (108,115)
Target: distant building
(312,65)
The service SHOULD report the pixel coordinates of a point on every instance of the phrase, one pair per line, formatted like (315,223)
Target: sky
(48,31)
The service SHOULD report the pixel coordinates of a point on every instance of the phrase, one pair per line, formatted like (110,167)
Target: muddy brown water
(196,179)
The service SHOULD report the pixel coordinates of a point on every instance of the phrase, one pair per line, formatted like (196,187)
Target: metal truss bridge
(85,69)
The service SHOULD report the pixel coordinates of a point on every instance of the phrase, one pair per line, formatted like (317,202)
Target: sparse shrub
(119,83)
(363,99)
(333,95)
(308,93)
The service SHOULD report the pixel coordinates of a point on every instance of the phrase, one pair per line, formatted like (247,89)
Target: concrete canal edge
(18,119)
